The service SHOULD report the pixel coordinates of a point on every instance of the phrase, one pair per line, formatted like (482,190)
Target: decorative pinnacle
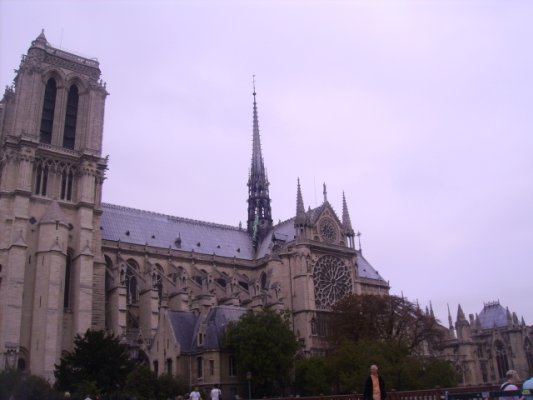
(325,193)
(346,221)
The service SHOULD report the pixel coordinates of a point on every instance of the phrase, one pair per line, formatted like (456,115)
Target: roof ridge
(173,217)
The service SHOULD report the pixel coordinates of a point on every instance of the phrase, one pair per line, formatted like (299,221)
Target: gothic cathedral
(166,285)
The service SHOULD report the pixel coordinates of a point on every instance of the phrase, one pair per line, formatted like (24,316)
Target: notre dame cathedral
(166,285)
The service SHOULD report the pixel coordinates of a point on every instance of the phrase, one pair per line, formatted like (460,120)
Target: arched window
(501,359)
(263,281)
(132,294)
(68,267)
(528,349)
(69,134)
(47,117)
(157,281)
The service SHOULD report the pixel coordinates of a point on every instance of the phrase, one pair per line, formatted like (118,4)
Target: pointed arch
(157,280)
(132,288)
(48,111)
(502,361)
(528,350)
(71,116)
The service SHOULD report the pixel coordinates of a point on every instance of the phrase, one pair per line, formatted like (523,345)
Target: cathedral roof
(366,270)
(493,315)
(186,325)
(134,226)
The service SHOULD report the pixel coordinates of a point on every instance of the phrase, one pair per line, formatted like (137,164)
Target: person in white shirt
(195,394)
(216,393)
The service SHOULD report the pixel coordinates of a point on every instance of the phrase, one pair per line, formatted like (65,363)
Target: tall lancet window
(132,295)
(71,116)
(47,117)
(41,180)
(67,178)
(501,359)
(68,266)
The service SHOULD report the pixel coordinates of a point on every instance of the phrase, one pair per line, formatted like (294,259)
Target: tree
(265,346)
(21,386)
(97,358)
(141,383)
(170,386)
(379,317)
(313,377)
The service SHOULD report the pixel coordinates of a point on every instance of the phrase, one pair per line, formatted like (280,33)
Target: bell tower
(51,175)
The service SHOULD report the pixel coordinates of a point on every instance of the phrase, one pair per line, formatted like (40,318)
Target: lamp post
(249,379)
(11,357)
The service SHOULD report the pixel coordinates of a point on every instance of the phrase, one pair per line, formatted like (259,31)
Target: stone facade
(50,188)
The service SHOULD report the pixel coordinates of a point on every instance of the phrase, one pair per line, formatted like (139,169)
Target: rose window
(332,281)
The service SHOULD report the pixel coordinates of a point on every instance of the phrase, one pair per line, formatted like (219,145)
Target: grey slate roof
(365,269)
(183,324)
(134,226)
(186,325)
(493,315)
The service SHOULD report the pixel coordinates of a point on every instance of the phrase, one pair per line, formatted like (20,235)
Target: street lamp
(11,357)
(249,379)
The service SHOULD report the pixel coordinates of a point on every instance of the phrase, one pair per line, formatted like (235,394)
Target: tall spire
(258,166)
(259,212)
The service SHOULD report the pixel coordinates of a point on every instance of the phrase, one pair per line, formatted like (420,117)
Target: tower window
(71,116)
(49,105)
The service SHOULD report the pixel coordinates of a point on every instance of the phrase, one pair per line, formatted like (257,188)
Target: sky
(421,112)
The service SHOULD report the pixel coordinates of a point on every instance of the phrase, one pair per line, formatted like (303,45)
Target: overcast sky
(420,111)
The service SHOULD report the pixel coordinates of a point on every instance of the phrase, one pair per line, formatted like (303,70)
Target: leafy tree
(438,373)
(97,358)
(313,376)
(170,386)
(377,317)
(141,383)
(265,346)
(17,385)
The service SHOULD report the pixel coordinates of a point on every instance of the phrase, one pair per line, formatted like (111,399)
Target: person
(510,384)
(374,386)
(195,394)
(528,385)
(88,397)
(216,393)
(67,396)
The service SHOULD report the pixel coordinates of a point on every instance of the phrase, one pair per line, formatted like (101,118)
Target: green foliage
(21,386)
(171,386)
(401,371)
(98,358)
(141,383)
(313,377)
(264,345)
(85,388)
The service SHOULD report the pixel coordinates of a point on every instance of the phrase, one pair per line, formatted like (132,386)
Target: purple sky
(421,112)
